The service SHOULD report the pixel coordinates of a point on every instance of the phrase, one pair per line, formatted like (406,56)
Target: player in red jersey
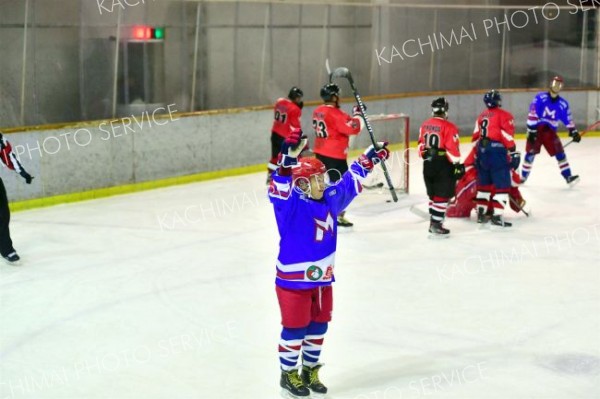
(9,160)
(496,154)
(287,112)
(439,148)
(333,128)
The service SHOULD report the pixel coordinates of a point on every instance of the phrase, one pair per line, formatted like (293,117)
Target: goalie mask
(309,175)
(556,86)
(440,107)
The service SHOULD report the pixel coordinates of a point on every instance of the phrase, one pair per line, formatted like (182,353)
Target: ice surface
(169,294)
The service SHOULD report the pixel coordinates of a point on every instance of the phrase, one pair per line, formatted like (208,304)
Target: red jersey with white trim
(497,125)
(286,117)
(442,134)
(333,128)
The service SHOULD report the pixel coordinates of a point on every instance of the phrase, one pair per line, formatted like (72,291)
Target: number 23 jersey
(333,128)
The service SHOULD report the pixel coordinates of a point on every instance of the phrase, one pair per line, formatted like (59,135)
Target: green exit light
(159,33)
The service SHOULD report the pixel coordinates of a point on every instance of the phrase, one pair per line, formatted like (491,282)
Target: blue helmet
(493,99)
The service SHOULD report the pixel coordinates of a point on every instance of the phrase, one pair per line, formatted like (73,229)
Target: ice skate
(498,222)
(482,216)
(572,180)
(12,259)
(292,386)
(343,222)
(310,377)
(436,230)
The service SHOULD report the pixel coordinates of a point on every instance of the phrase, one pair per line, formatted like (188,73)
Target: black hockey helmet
(328,91)
(295,92)
(440,106)
(492,99)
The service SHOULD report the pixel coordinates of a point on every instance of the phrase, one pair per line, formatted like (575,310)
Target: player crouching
(306,212)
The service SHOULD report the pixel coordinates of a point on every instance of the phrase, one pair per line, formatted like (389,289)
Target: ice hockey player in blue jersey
(306,211)
(546,111)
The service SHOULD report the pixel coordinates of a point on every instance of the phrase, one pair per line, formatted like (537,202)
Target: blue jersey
(549,111)
(308,229)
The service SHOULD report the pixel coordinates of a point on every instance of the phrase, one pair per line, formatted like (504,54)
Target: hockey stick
(512,201)
(343,72)
(591,127)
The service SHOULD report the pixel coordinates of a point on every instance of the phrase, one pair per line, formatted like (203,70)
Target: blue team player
(306,211)
(546,110)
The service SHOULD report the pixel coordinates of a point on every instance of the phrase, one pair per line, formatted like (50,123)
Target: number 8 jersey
(333,128)
(497,125)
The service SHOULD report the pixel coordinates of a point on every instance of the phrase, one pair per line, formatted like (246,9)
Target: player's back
(286,115)
(436,126)
(496,125)
(332,129)
(440,133)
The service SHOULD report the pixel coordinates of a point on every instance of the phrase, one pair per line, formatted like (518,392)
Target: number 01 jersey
(497,125)
(333,128)
(287,116)
(442,134)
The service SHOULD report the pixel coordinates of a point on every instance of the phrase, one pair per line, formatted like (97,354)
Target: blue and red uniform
(306,261)
(545,113)
(493,138)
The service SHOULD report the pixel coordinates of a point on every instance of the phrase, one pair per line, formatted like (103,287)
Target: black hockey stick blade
(342,72)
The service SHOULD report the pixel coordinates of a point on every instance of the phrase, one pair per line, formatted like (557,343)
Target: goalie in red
(286,117)
(439,148)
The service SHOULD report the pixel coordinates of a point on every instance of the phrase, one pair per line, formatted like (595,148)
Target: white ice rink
(170,294)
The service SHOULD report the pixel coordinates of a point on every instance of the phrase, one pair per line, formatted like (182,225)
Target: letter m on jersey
(551,114)
(323,226)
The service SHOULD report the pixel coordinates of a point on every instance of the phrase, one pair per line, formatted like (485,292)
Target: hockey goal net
(393,128)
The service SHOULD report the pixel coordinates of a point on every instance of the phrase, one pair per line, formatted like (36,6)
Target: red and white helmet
(556,84)
(306,168)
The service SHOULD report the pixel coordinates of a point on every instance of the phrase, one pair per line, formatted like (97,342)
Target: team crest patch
(314,273)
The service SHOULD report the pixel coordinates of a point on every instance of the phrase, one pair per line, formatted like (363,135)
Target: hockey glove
(574,134)
(459,171)
(531,135)
(515,160)
(292,147)
(372,156)
(356,110)
(28,178)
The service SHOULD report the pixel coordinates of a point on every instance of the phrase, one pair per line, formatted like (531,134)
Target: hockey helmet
(492,99)
(440,106)
(328,91)
(556,84)
(306,168)
(295,92)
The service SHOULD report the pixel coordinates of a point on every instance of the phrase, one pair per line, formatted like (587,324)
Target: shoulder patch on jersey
(332,192)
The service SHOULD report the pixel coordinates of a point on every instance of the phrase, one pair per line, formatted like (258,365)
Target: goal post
(393,128)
